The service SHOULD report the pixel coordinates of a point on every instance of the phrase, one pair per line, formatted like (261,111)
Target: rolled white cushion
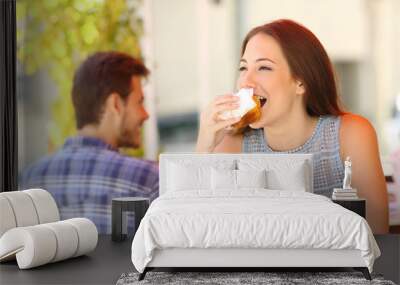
(7,218)
(23,208)
(87,234)
(45,205)
(67,239)
(33,246)
(40,244)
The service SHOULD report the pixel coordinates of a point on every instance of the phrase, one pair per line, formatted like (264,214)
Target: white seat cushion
(40,244)
(27,208)
(67,237)
(32,246)
(23,208)
(7,220)
(31,232)
(46,207)
(87,233)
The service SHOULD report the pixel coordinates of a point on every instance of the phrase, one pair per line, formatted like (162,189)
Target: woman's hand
(212,128)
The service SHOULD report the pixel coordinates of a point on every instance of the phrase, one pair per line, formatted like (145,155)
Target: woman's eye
(264,68)
(242,68)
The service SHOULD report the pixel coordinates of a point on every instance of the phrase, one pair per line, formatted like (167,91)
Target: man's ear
(114,103)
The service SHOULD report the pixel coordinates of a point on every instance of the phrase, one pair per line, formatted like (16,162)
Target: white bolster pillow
(45,205)
(40,244)
(26,208)
(67,240)
(33,246)
(87,235)
(7,218)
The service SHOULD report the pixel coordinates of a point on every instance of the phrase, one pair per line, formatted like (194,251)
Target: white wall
(339,24)
(193,48)
(385,61)
(175,42)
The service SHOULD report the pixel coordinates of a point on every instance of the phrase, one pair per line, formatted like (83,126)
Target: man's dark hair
(100,75)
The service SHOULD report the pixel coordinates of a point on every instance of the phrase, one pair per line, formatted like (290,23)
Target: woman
(289,69)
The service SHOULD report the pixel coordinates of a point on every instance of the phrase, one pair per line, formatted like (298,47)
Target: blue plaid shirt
(86,174)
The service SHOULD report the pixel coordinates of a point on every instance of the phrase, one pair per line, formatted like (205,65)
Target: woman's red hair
(308,62)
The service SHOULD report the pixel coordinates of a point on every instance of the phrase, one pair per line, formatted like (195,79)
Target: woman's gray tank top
(324,144)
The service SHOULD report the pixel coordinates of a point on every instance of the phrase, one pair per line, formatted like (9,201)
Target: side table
(120,206)
(357,206)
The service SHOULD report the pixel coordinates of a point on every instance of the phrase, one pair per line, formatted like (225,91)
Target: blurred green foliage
(57,35)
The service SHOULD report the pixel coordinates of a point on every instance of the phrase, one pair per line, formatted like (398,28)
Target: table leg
(116,214)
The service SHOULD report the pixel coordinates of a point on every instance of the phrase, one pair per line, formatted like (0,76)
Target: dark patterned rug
(225,278)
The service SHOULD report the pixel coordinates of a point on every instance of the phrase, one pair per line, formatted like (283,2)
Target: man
(88,171)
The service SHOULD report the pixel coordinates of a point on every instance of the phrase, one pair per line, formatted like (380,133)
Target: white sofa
(31,231)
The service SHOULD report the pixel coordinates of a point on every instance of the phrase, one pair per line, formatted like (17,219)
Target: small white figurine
(347,174)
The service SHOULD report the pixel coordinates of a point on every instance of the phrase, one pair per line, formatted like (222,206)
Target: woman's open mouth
(261,99)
